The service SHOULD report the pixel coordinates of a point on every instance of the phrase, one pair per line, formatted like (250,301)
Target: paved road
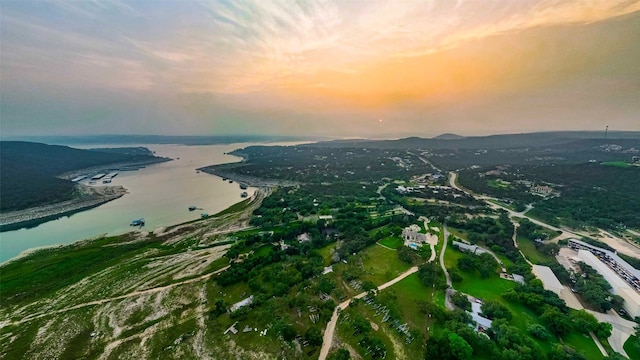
(622,329)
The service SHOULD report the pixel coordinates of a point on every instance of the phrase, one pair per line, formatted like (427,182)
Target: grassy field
(493,287)
(498,184)
(392,242)
(585,345)
(326,252)
(49,270)
(408,293)
(380,265)
(529,250)
(237,207)
(631,349)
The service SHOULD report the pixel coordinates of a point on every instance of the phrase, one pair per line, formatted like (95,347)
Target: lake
(160,193)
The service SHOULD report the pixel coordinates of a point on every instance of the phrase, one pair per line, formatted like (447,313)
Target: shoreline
(258,197)
(245,179)
(90,197)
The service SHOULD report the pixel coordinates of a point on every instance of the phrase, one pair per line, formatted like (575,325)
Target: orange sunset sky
(326,68)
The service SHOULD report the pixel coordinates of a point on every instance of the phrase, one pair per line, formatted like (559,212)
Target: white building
(618,285)
(549,280)
(246,302)
(468,247)
(630,274)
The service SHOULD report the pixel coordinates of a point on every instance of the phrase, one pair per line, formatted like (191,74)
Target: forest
(29,171)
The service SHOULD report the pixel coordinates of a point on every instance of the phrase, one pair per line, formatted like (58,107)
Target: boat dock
(98,176)
(78,178)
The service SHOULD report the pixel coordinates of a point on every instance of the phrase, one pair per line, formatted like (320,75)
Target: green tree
(558,322)
(340,354)
(538,331)
(460,349)
(313,336)
(460,300)
(495,310)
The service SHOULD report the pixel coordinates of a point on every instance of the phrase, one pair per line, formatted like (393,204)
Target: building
(246,302)
(411,234)
(468,247)
(549,280)
(627,272)
(619,286)
(542,190)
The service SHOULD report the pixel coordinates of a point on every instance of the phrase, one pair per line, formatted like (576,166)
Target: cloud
(210,63)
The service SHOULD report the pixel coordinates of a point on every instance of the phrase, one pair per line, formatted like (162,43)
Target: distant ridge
(448,136)
(502,141)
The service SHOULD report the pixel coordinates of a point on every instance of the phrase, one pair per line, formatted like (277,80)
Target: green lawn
(529,250)
(631,349)
(498,184)
(325,252)
(379,264)
(408,292)
(584,344)
(392,242)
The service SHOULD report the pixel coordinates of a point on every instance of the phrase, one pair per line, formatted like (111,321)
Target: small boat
(224,179)
(204,215)
(138,222)
(230,181)
(243,186)
(244,194)
(192,207)
(106,181)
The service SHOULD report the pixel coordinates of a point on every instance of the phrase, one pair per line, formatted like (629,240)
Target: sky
(326,68)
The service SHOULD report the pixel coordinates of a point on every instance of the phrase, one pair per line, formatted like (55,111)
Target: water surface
(160,193)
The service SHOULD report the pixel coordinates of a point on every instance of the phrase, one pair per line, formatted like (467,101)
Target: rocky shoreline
(89,197)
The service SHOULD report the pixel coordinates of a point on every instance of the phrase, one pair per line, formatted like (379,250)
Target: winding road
(327,338)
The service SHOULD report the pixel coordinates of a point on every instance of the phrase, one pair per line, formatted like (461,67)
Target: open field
(380,265)
(631,349)
(392,242)
(129,296)
(529,250)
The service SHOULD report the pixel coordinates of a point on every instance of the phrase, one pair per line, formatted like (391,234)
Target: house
(541,190)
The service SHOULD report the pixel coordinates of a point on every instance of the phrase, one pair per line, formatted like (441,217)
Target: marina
(161,193)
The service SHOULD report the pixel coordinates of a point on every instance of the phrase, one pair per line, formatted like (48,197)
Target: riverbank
(88,197)
(225,171)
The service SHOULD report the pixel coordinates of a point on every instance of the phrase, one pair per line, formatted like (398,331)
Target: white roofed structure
(618,285)
(549,280)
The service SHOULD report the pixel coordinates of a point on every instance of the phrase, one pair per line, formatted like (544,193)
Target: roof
(548,278)
(635,272)
(612,278)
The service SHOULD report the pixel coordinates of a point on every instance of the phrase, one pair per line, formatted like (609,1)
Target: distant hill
(505,141)
(448,136)
(28,171)
(162,139)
